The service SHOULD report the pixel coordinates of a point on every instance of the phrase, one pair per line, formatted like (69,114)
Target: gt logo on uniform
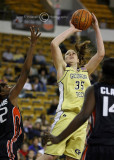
(78,151)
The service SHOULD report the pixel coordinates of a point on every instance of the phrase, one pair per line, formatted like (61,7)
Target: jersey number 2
(3,111)
(107,109)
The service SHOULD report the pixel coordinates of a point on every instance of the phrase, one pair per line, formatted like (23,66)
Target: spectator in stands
(44,68)
(18,57)
(8,74)
(35,131)
(43,119)
(52,80)
(26,139)
(36,83)
(43,77)
(33,73)
(52,69)
(53,107)
(39,57)
(31,155)
(35,145)
(27,126)
(23,151)
(29,119)
(38,86)
(27,85)
(7,55)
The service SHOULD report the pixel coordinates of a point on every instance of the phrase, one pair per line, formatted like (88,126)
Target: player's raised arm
(26,67)
(97,58)
(56,52)
(86,111)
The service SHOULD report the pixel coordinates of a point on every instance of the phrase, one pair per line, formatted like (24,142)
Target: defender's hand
(34,36)
(52,139)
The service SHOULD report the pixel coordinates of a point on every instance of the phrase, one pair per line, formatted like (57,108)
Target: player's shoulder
(83,69)
(89,93)
(94,88)
(4,102)
(90,89)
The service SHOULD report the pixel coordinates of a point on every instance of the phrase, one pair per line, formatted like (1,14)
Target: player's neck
(74,66)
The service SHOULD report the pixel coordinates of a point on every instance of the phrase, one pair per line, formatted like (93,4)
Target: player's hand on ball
(75,29)
(95,24)
(82,19)
(34,35)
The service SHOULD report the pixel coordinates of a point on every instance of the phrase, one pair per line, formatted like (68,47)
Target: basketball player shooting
(11,127)
(72,82)
(99,104)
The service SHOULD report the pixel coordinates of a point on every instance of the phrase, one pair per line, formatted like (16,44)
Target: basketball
(81,19)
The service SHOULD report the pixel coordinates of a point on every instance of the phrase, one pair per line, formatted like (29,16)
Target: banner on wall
(43,21)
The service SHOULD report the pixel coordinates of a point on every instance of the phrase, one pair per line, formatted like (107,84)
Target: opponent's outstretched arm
(27,64)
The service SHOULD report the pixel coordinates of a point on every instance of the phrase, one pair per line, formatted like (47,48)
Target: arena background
(38,104)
